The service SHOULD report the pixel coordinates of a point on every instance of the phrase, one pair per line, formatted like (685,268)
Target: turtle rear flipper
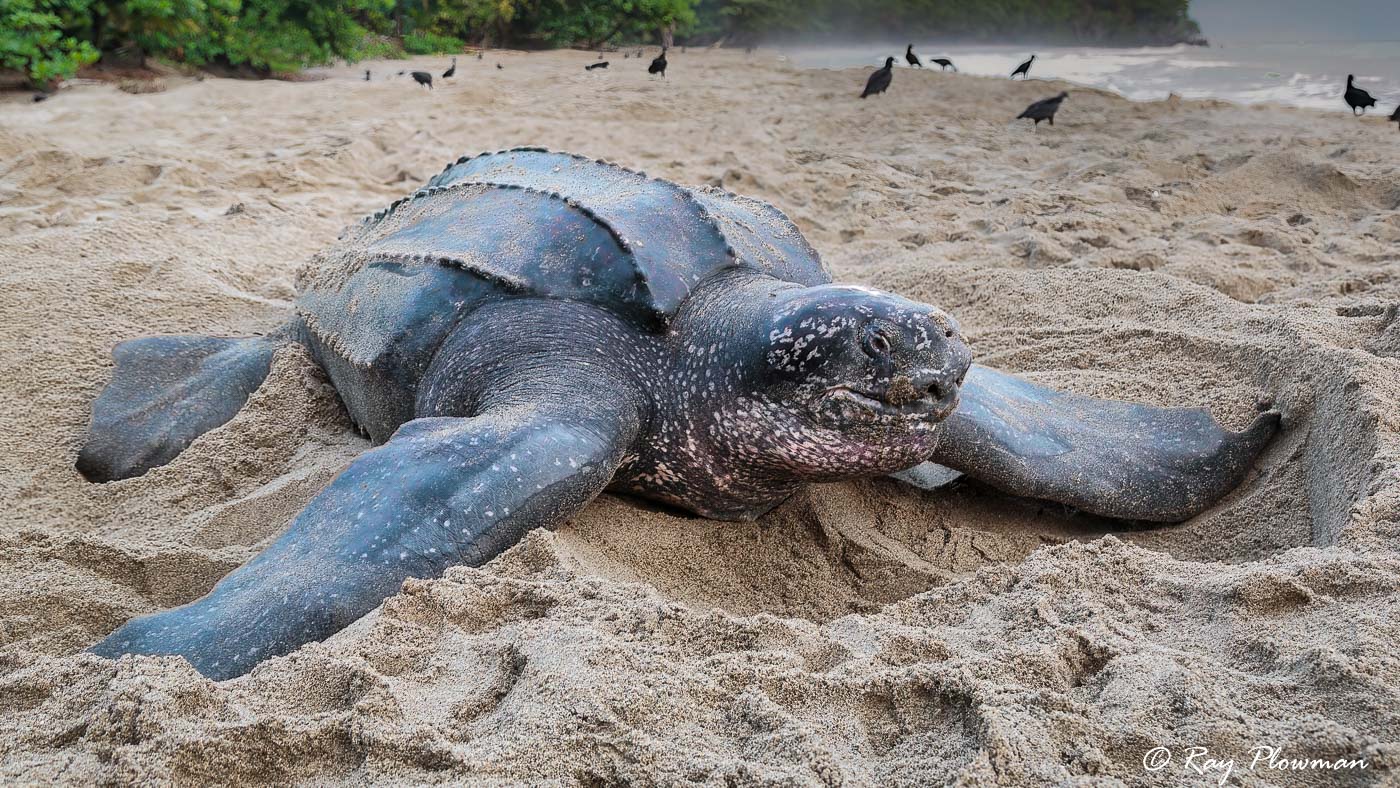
(1114,459)
(164,393)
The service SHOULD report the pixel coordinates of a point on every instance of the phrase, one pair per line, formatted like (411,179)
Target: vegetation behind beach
(49,40)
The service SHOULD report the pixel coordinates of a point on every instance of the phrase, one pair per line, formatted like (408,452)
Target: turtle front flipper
(164,393)
(442,492)
(1110,458)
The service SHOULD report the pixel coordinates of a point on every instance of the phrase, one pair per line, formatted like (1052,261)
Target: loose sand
(1190,253)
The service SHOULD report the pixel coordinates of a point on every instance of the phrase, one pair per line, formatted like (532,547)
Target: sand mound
(1185,253)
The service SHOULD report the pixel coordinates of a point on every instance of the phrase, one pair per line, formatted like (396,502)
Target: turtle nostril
(943,388)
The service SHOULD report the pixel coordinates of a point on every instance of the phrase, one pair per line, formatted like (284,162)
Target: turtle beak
(941,388)
(933,389)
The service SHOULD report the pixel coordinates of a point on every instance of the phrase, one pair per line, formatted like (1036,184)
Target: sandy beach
(1191,253)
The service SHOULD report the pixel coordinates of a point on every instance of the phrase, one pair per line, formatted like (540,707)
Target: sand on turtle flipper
(1187,253)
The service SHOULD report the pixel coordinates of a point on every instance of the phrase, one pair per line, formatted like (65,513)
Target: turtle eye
(876,344)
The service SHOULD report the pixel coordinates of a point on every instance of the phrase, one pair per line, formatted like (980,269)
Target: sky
(1224,21)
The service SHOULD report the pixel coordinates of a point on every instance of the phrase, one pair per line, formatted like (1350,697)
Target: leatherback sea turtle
(533,328)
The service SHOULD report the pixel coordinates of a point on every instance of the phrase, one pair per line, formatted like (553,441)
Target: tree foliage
(33,40)
(284,35)
(592,23)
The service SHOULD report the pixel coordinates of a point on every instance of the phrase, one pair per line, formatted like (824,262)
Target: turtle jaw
(845,406)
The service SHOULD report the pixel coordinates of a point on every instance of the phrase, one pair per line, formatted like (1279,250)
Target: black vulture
(1044,109)
(911,58)
(38,97)
(1357,98)
(592,66)
(423,78)
(658,65)
(479,53)
(945,63)
(1395,116)
(451,70)
(366,75)
(1024,69)
(501,67)
(879,82)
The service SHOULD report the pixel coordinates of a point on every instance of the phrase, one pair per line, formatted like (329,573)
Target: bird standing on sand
(591,66)
(366,75)
(501,67)
(1395,116)
(1044,109)
(911,58)
(479,53)
(1024,69)
(658,65)
(1357,98)
(423,78)
(451,70)
(879,82)
(945,63)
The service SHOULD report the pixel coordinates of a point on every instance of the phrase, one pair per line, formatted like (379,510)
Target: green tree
(470,19)
(33,42)
(178,29)
(593,23)
(284,35)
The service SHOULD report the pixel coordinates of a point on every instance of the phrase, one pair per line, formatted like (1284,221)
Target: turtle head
(863,378)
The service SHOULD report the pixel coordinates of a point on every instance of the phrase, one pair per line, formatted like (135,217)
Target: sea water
(1295,73)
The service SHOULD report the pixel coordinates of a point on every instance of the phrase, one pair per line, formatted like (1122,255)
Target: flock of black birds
(658,63)
(879,81)
(1045,109)
(912,59)
(424,78)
